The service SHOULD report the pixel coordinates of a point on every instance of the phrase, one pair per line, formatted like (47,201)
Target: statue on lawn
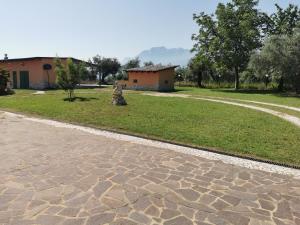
(118,98)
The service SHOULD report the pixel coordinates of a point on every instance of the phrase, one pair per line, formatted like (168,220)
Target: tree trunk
(297,84)
(237,78)
(281,84)
(102,79)
(199,79)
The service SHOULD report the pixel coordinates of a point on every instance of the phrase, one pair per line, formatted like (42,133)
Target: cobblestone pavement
(62,176)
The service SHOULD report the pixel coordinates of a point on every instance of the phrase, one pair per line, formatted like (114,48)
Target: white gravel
(186,150)
(39,93)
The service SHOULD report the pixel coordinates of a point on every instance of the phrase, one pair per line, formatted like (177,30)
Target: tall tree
(106,66)
(228,37)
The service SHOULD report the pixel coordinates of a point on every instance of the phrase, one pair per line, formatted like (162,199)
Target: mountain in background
(163,55)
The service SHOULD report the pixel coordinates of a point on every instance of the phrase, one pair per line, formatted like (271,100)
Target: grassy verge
(227,128)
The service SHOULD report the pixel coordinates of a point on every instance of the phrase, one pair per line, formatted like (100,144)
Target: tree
(69,75)
(198,66)
(105,66)
(4,79)
(181,74)
(283,21)
(150,63)
(279,59)
(133,63)
(228,38)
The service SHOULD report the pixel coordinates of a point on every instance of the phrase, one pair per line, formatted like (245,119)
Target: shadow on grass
(80,99)
(172,91)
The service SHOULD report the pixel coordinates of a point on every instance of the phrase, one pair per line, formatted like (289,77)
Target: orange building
(34,73)
(152,78)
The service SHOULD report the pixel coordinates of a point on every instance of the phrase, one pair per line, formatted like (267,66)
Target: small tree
(4,79)
(68,76)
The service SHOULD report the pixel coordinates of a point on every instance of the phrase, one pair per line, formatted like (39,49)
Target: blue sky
(112,28)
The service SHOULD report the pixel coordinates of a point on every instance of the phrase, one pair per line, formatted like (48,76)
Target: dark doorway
(24,79)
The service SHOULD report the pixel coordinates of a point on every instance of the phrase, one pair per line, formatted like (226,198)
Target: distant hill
(163,55)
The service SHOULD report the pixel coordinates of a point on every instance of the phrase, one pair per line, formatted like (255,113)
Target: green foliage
(202,69)
(182,74)
(105,66)
(133,63)
(227,38)
(4,79)
(69,75)
(279,59)
(150,63)
(283,21)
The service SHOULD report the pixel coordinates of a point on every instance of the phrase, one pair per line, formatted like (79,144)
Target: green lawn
(254,95)
(200,123)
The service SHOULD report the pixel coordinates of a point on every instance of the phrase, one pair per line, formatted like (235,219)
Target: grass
(253,95)
(227,128)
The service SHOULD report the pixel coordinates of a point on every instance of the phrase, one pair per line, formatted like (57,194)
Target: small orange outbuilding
(34,72)
(152,78)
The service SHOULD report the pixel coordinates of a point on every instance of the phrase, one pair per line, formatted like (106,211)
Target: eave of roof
(155,68)
(39,58)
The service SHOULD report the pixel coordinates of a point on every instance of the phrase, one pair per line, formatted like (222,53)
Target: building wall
(38,78)
(145,81)
(153,81)
(166,80)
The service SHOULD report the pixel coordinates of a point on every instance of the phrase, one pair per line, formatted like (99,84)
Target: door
(15,80)
(24,79)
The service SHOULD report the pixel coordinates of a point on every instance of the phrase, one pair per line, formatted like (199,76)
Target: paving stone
(231,200)
(101,219)
(179,221)
(49,219)
(107,181)
(100,188)
(188,194)
(78,221)
(123,221)
(140,218)
(152,211)
(283,211)
(168,214)
(220,205)
(69,212)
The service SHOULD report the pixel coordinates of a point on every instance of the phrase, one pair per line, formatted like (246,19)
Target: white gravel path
(39,93)
(186,150)
(292,119)
(257,102)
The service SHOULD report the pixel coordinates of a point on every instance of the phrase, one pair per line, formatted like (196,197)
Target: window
(166,81)
(135,81)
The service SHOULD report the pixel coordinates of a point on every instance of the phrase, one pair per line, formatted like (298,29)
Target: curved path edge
(246,163)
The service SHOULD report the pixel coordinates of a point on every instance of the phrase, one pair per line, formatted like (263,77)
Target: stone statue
(118,98)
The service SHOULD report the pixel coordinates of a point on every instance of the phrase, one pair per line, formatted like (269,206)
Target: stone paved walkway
(62,176)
